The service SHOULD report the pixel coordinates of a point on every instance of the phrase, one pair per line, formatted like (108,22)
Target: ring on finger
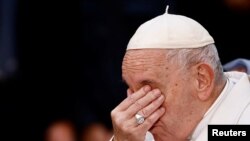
(139,118)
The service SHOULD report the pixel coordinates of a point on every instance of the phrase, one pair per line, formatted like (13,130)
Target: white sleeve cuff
(112,138)
(149,137)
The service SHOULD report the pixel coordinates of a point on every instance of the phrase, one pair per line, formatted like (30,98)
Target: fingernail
(161,98)
(157,91)
(146,88)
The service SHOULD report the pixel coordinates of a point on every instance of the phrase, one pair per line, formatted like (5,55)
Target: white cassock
(231,107)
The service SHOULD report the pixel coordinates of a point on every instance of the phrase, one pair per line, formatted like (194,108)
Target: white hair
(188,57)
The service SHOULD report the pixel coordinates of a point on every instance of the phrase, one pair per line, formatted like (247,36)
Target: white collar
(208,115)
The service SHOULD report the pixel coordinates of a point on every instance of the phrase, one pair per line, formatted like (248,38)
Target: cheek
(176,94)
(171,93)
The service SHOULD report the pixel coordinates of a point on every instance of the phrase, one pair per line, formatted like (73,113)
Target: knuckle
(113,113)
(131,98)
(152,95)
(116,117)
(144,112)
(149,120)
(147,123)
(141,91)
(119,123)
(138,104)
(155,104)
(124,128)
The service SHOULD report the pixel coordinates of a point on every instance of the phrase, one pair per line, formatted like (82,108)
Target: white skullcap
(170,31)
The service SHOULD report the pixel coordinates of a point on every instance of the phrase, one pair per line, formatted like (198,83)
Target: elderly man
(177,86)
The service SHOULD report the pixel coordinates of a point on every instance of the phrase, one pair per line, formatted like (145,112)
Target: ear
(204,81)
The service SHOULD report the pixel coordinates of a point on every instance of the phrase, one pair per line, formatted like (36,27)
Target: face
(151,67)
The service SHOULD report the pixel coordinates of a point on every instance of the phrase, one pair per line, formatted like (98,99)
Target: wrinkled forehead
(143,59)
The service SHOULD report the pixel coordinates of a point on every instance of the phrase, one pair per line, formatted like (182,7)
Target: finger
(129,92)
(132,98)
(147,111)
(150,121)
(143,102)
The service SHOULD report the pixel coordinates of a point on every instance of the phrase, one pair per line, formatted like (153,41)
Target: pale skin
(172,101)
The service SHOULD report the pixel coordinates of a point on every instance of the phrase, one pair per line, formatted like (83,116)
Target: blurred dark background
(62,59)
